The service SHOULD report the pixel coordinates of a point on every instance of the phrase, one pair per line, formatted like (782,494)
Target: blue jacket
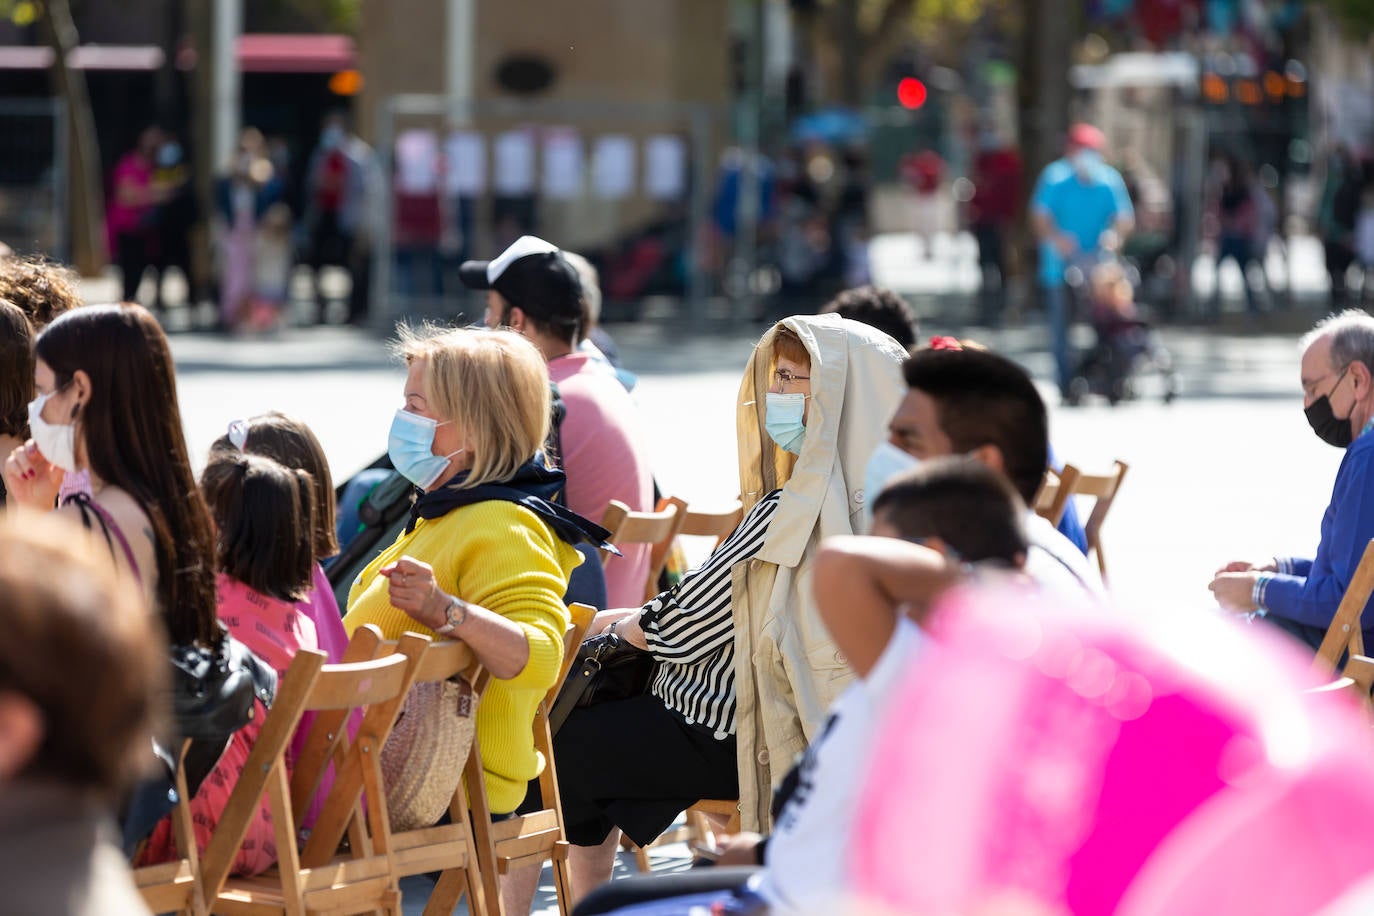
(1309,591)
(1069,524)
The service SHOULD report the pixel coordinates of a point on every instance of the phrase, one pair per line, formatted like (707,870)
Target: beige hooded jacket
(787,669)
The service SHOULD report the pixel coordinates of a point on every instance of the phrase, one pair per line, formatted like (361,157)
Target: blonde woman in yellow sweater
(486,554)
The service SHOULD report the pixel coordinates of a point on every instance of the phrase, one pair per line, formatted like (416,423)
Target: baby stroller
(1127,349)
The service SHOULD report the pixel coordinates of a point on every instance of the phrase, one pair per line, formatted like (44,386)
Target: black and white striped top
(690,629)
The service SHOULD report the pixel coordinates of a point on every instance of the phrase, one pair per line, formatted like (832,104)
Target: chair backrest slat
(719,524)
(445,659)
(657,529)
(362,684)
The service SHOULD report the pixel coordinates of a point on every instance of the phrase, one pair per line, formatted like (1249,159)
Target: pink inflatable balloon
(1052,761)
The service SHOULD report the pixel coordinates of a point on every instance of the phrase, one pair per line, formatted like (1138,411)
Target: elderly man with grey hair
(1300,595)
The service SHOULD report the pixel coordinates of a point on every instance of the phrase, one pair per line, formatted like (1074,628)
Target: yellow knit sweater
(500,556)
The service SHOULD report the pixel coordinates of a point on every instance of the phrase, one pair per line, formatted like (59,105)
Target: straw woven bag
(423,759)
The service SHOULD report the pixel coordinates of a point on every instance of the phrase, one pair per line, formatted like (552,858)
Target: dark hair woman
(106,418)
(16,379)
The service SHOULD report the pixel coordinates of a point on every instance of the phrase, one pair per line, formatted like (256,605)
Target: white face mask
(56,441)
(886,463)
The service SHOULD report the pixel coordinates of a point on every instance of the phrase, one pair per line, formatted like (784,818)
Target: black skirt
(636,765)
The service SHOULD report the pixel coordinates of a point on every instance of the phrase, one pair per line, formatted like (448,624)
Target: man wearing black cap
(534,290)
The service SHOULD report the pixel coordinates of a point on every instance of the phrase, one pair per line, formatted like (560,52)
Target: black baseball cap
(533,276)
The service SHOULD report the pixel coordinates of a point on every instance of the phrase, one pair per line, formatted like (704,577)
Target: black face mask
(1330,428)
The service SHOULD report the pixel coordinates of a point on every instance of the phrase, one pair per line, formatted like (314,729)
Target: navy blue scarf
(533,486)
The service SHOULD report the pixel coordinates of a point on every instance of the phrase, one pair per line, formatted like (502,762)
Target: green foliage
(1355,16)
(301,16)
(19,12)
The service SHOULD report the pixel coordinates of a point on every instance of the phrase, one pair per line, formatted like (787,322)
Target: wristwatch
(454,617)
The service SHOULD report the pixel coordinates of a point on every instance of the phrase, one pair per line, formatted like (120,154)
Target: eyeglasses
(787,376)
(1310,389)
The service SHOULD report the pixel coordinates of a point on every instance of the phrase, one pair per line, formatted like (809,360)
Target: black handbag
(213,690)
(606,668)
(213,696)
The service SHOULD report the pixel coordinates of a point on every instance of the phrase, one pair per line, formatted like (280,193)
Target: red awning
(296,53)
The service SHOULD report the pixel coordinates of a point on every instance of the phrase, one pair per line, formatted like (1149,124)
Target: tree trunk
(85,197)
(1044,94)
(1043,97)
(849,43)
(200,24)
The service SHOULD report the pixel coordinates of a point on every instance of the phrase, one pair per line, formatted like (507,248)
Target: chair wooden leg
(562,877)
(443,900)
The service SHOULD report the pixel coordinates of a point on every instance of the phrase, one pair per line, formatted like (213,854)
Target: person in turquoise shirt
(1080,207)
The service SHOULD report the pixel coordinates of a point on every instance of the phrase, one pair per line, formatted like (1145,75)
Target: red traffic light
(911,92)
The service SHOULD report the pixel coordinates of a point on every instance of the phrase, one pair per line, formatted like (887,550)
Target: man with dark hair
(957,506)
(873,594)
(980,404)
(877,307)
(534,290)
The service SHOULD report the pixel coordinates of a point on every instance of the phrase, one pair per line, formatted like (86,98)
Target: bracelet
(453,622)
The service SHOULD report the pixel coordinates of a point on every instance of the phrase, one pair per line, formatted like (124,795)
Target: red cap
(1087,136)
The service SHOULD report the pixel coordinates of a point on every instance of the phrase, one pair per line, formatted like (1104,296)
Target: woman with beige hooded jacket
(746,669)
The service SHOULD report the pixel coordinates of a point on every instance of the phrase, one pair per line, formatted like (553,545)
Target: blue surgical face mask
(886,463)
(410,446)
(782,417)
(1086,161)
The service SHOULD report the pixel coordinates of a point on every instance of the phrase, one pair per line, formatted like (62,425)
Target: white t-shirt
(809,848)
(1056,565)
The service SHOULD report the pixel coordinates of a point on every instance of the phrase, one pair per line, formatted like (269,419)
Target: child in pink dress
(264,515)
(294,445)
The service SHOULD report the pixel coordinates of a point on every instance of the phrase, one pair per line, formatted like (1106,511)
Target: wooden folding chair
(704,820)
(318,878)
(1058,488)
(176,886)
(534,838)
(1345,634)
(719,524)
(445,848)
(655,528)
(1053,496)
(1102,488)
